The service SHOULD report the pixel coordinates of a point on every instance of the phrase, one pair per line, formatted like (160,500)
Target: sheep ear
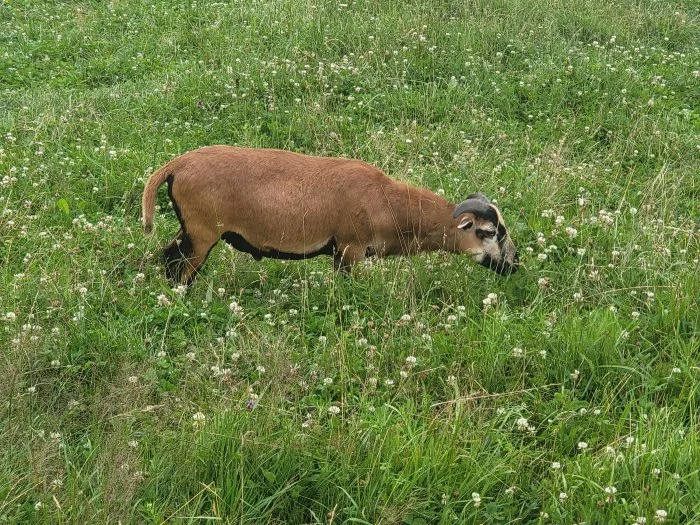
(465,223)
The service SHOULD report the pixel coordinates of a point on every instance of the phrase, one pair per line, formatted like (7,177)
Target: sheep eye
(483,234)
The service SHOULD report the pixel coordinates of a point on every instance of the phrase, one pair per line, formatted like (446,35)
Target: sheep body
(274,203)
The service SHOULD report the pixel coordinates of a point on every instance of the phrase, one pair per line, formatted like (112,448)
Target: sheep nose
(515,264)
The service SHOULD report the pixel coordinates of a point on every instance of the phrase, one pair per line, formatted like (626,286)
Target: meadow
(422,390)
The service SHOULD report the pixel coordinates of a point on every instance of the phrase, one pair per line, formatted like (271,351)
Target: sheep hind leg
(199,253)
(175,255)
(347,256)
(183,257)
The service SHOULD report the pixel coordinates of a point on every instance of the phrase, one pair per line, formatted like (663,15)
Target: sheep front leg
(346,256)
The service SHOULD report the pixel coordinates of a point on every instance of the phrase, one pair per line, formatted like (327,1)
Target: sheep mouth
(501,267)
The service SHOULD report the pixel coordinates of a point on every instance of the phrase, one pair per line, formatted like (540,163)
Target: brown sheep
(283,205)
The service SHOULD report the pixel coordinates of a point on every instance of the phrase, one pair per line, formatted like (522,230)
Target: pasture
(422,390)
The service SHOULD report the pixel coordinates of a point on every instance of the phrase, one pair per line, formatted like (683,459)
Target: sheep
(284,205)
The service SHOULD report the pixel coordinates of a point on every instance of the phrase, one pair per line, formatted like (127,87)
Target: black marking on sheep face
(239,242)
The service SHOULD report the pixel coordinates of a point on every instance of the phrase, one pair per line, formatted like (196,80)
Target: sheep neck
(428,224)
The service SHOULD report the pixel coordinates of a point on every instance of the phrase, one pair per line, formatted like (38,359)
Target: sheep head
(483,235)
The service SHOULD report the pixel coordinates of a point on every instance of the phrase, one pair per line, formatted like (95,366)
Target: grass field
(420,390)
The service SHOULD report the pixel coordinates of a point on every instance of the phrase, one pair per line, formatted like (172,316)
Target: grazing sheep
(284,205)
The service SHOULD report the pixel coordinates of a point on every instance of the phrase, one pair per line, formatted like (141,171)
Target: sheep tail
(148,204)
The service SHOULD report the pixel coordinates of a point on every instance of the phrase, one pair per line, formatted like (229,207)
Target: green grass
(125,401)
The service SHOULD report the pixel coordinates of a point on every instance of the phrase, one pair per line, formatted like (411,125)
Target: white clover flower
(476,498)
(333,410)
(31,389)
(161,354)
(556,465)
(641,520)
(260,368)
(406,317)
(490,299)
(163,300)
(610,490)
(542,256)
(411,360)
(322,339)
(656,472)
(635,315)
(571,232)
(629,440)
(133,443)
(660,515)
(580,252)
(10,316)
(543,282)
(38,505)
(574,375)
(517,352)
(389,382)
(563,496)
(675,370)
(578,297)
(328,381)
(403,374)
(55,363)
(132,379)
(199,417)
(543,354)
(523,424)
(582,445)
(235,308)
